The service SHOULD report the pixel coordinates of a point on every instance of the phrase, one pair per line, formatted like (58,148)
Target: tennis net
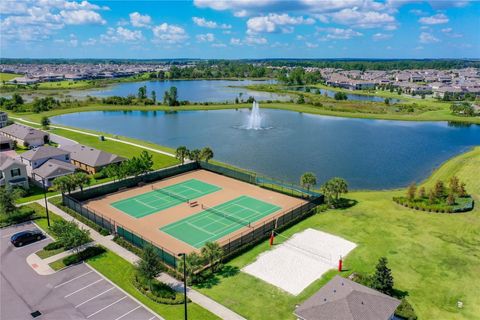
(171,194)
(244,222)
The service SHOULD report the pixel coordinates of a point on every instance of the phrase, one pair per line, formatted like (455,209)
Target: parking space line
(88,285)
(152,318)
(98,295)
(111,304)
(128,313)
(61,284)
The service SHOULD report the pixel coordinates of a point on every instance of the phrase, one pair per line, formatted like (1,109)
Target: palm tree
(206,154)
(194,155)
(333,188)
(308,180)
(8,196)
(212,252)
(181,153)
(193,261)
(80,179)
(62,184)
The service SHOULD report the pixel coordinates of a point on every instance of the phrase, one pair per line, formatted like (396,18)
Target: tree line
(182,153)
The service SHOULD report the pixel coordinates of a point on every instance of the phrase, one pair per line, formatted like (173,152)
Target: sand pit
(299,261)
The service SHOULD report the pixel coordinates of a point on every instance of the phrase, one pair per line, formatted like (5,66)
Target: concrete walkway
(97,135)
(197,297)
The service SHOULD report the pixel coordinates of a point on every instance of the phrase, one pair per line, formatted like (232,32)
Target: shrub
(99,175)
(53,246)
(160,293)
(83,255)
(405,311)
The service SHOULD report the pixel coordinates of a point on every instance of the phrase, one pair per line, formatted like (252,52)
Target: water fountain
(255,118)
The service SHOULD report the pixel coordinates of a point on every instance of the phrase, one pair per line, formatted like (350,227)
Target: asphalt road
(77,292)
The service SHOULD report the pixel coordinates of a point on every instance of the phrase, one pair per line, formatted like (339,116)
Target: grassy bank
(434,257)
(427,111)
(122,274)
(8,76)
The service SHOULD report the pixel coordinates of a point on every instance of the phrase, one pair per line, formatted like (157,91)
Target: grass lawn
(121,272)
(433,257)
(43,254)
(8,76)
(42,222)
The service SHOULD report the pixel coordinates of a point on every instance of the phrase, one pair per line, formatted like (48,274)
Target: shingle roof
(343,299)
(91,156)
(43,152)
(5,139)
(6,162)
(22,132)
(53,168)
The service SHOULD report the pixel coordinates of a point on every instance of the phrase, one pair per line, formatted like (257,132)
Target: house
(13,173)
(25,136)
(5,143)
(343,299)
(90,159)
(46,163)
(51,169)
(23,80)
(3,119)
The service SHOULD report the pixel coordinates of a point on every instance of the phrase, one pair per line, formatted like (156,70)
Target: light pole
(184,281)
(45,198)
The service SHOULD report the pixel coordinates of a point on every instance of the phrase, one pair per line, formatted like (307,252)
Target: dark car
(24,237)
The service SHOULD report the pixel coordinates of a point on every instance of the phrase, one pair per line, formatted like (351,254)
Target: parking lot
(78,292)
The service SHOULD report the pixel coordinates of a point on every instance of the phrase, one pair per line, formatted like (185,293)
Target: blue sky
(239,29)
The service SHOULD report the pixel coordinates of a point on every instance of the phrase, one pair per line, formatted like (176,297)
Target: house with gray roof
(36,157)
(3,119)
(50,170)
(343,299)
(13,173)
(5,143)
(25,136)
(90,159)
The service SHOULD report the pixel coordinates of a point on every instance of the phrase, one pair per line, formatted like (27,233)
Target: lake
(350,96)
(191,90)
(369,154)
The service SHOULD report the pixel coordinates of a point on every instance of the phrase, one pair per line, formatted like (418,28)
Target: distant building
(90,159)
(25,136)
(343,299)
(3,119)
(13,173)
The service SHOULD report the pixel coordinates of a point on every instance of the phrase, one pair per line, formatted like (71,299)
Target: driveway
(78,292)
(62,141)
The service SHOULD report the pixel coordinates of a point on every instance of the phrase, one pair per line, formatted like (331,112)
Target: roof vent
(325,299)
(334,290)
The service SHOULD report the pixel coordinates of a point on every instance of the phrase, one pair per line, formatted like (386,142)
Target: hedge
(53,246)
(83,255)
(163,293)
(22,215)
(463,204)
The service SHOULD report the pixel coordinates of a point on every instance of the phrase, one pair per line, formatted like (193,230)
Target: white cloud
(311,45)
(447,30)
(202,22)
(271,23)
(121,34)
(338,33)
(81,17)
(253,40)
(426,37)
(418,12)
(207,37)
(219,45)
(235,41)
(169,33)
(138,20)
(381,36)
(362,19)
(438,18)
(89,42)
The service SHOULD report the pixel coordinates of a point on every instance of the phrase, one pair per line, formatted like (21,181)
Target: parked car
(24,237)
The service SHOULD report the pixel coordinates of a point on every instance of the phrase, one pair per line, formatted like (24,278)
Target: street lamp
(45,198)
(184,281)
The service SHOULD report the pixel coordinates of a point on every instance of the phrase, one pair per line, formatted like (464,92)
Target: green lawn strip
(121,149)
(433,256)
(121,272)
(8,76)
(43,254)
(57,265)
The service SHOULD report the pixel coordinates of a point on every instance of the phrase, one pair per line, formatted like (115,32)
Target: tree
(193,261)
(212,252)
(45,122)
(412,189)
(431,197)
(181,153)
(146,161)
(387,101)
(462,192)
(422,192)
(454,184)
(308,180)
(142,92)
(439,189)
(111,171)
(301,99)
(333,188)
(170,97)
(451,199)
(8,196)
(149,266)
(80,179)
(206,154)
(64,184)
(382,280)
(154,97)
(69,234)
(340,96)
(195,155)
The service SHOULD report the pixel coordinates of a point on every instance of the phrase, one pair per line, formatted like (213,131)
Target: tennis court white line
(88,285)
(111,304)
(127,313)
(199,228)
(143,203)
(82,275)
(98,295)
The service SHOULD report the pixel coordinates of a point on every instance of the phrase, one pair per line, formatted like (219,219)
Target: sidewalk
(198,298)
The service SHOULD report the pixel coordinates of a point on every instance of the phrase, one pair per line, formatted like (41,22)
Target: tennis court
(163,198)
(214,223)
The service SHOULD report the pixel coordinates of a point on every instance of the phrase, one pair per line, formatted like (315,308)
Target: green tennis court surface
(164,198)
(215,223)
